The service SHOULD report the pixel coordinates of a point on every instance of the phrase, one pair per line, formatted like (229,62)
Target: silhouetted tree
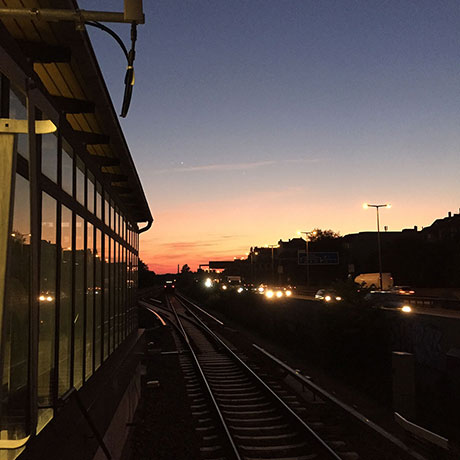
(146,276)
(185,269)
(323,235)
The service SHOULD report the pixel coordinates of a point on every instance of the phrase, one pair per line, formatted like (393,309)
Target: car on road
(402,290)
(275,292)
(327,295)
(387,301)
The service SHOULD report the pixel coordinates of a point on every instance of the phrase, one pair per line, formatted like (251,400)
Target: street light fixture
(273,246)
(377,207)
(307,239)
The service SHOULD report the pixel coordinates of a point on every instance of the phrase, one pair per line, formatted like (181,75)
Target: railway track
(243,412)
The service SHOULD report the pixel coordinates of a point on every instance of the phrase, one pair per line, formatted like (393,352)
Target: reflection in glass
(90,293)
(90,193)
(123,295)
(98,300)
(106,295)
(107,211)
(112,295)
(67,168)
(15,356)
(98,201)
(78,318)
(49,156)
(18,111)
(80,181)
(65,320)
(47,309)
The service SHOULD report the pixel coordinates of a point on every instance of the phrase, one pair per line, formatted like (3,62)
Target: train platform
(162,428)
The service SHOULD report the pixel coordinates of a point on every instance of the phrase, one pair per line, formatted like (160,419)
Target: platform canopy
(62,57)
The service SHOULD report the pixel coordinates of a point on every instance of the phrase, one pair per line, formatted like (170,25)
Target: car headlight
(261,289)
(224,287)
(338,298)
(279,294)
(240,290)
(288,293)
(328,298)
(406,309)
(269,294)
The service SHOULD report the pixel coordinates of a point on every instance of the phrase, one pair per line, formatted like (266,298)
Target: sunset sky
(253,119)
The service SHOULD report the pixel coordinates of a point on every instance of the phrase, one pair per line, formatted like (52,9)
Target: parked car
(327,295)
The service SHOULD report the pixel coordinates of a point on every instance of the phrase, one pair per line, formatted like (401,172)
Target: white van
(372,280)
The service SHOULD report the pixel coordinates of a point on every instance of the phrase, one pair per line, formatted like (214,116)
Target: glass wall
(49,148)
(47,308)
(65,295)
(79,308)
(90,293)
(15,346)
(82,273)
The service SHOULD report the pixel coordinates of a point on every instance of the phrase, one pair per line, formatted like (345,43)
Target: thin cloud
(234,166)
(219,167)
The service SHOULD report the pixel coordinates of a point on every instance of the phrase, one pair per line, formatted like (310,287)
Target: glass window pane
(98,201)
(80,181)
(98,299)
(107,211)
(49,156)
(67,168)
(90,193)
(106,295)
(18,111)
(78,319)
(65,296)
(89,300)
(47,309)
(15,346)
(112,294)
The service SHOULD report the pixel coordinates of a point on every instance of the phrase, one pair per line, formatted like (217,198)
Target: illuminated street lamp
(377,206)
(307,239)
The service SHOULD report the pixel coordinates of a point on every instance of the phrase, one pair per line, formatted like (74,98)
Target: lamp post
(272,246)
(377,207)
(307,239)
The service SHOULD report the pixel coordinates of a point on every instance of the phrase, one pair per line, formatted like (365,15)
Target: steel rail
(199,308)
(325,396)
(316,437)
(205,381)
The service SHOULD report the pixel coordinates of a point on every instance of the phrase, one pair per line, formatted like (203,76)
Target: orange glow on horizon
(216,230)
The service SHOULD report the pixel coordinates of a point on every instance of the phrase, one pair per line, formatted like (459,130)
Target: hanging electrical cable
(130,57)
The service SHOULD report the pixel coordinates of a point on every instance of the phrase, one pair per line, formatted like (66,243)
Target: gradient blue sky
(252,119)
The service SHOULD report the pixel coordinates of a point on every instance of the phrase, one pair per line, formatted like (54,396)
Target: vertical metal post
(35,226)
(273,267)
(306,259)
(380,249)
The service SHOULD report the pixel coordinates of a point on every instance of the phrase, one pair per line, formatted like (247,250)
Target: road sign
(318,258)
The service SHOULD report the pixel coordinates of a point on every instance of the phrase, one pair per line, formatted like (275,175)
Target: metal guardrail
(324,395)
(422,433)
